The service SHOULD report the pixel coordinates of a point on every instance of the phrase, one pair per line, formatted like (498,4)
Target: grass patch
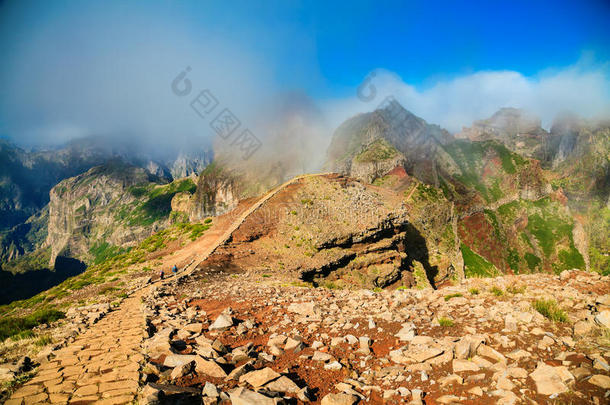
(419,273)
(195,230)
(475,265)
(301,284)
(330,285)
(448,297)
(22,326)
(516,290)
(474,291)
(43,340)
(102,251)
(550,310)
(445,322)
(108,290)
(8,387)
(496,291)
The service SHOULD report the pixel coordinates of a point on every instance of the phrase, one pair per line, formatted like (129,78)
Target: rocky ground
(232,332)
(245,339)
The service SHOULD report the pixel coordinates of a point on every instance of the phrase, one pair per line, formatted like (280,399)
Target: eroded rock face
(82,208)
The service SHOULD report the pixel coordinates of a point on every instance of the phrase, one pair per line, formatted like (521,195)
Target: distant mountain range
(513,197)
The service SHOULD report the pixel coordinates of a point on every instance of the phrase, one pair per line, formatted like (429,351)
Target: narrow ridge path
(242,218)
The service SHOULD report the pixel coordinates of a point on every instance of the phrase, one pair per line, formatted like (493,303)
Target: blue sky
(72,68)
(425,41)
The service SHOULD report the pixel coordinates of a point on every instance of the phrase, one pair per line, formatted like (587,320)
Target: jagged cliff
(27,177)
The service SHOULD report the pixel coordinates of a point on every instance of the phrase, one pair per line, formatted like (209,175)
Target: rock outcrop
(218,192)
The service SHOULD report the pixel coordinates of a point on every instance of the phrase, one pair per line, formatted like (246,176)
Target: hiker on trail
(174,269)
(161,275)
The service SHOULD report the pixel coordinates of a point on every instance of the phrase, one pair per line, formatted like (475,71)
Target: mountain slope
(508,219)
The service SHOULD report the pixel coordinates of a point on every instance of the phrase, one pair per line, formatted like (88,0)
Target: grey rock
(222,322)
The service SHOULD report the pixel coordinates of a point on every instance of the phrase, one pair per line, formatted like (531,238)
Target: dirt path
(102,365)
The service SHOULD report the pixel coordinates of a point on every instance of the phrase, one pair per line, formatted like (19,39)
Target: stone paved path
(101,366)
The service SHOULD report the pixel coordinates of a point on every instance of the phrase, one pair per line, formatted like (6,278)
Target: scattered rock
(222,322)
(339,399)
(603,318)
(548,380)
(284,385)
(242,396)
(259,378)
(602,381)
(209,367)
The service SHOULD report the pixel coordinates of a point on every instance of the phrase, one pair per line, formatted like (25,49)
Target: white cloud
(457,102)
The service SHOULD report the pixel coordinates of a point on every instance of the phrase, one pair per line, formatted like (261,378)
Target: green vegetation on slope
(552,229)
(599,243)
(545,243)
(102,251)
(113,263)
(378,150)
(533,261)
(471,158)
(547,226)
(22,326)
(155,202)
(475,265)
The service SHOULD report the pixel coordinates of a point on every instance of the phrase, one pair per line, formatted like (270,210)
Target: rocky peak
(517,129)
(405,139)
